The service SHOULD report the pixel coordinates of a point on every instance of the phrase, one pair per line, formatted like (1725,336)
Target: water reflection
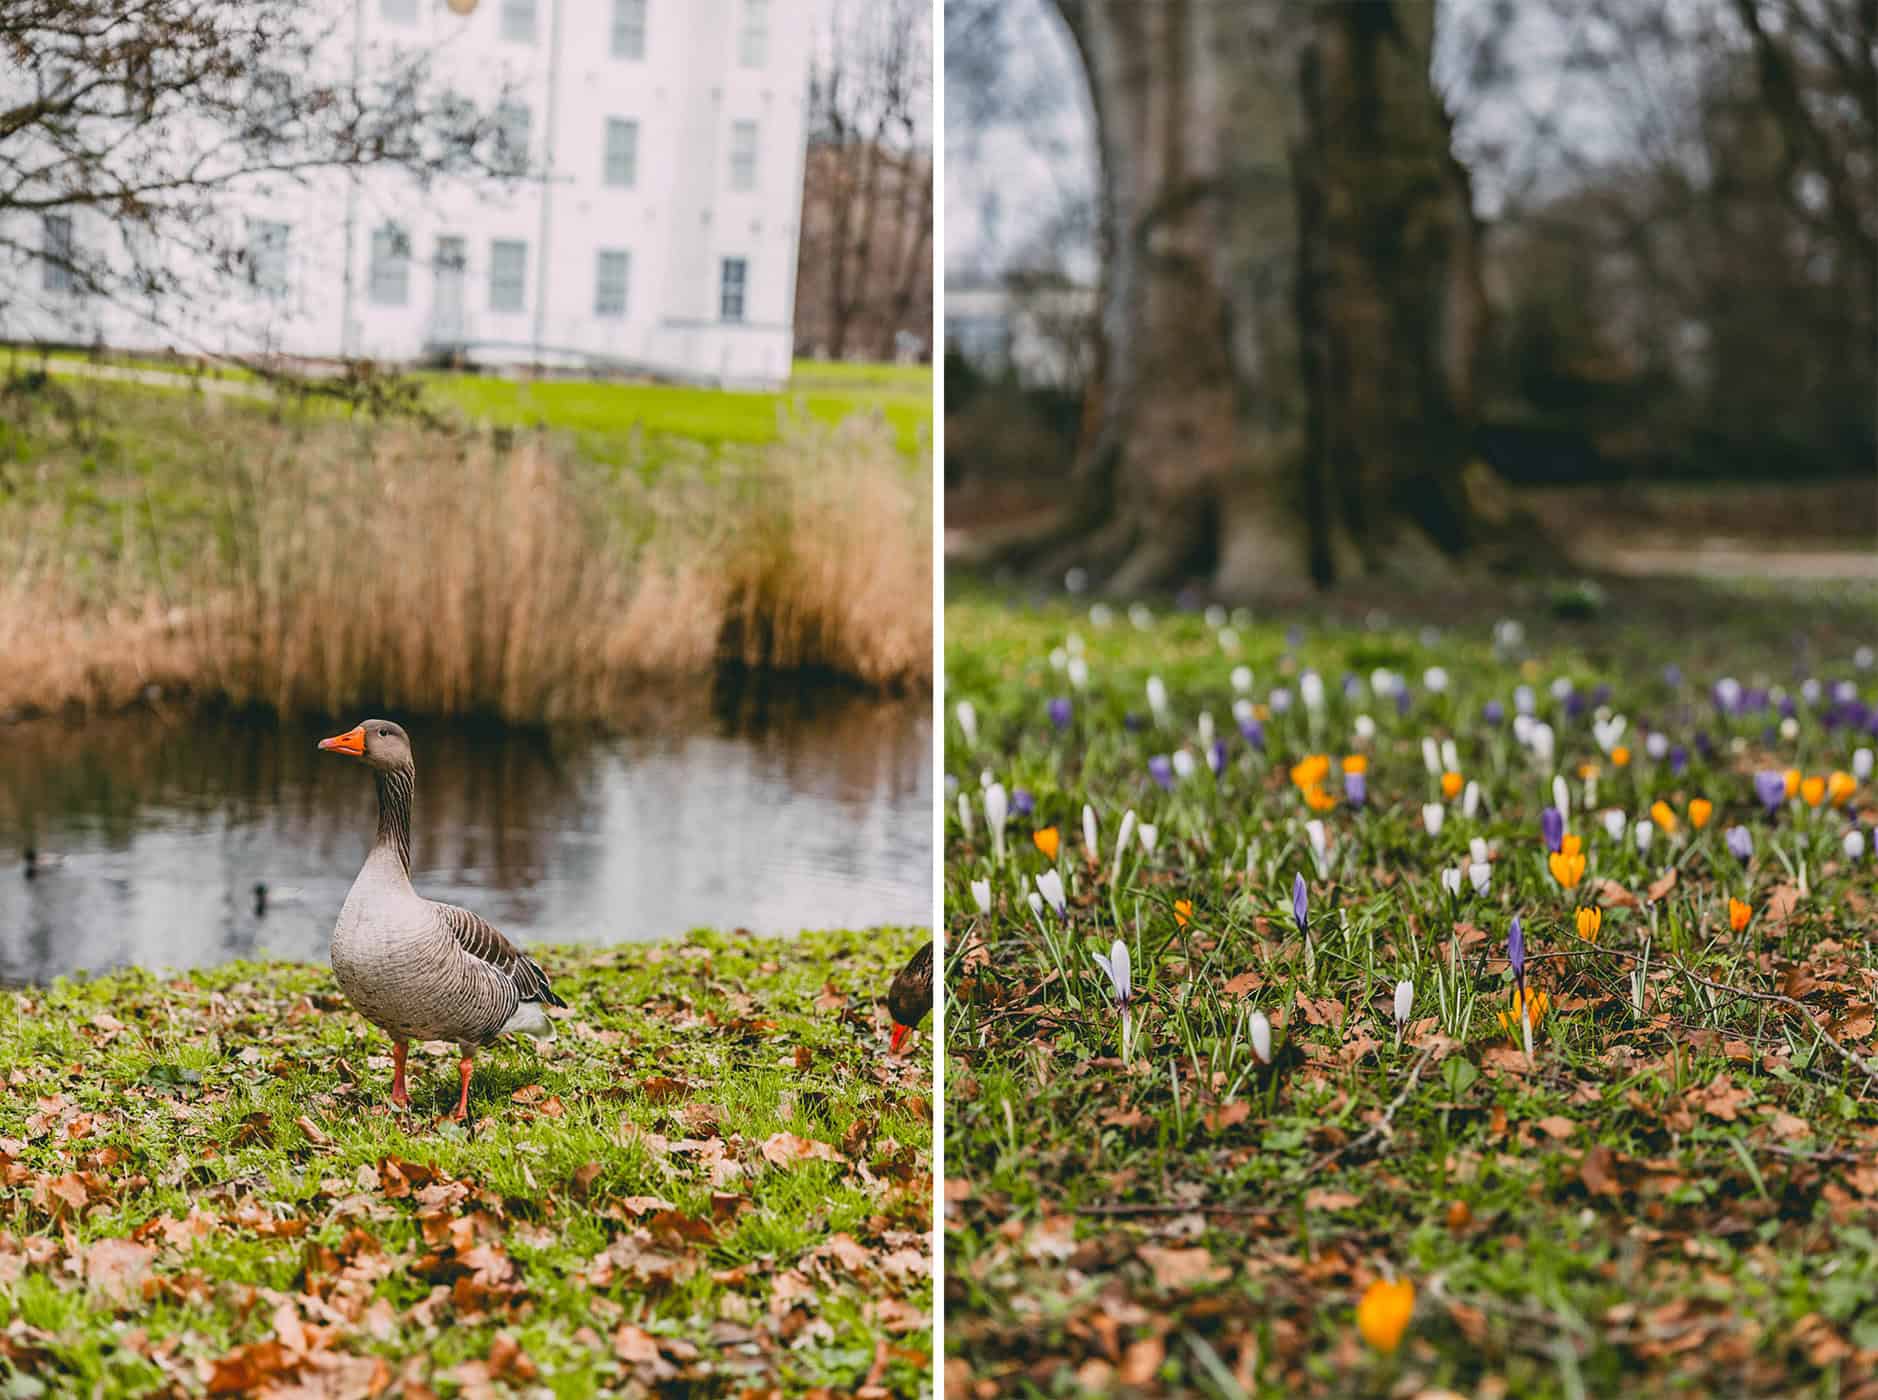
(774,813)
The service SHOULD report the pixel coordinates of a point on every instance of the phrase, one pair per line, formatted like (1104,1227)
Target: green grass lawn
(713,1178)
(603,417)
(1678,1193)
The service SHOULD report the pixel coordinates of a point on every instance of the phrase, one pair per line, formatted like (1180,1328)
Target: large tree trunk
(1291,299)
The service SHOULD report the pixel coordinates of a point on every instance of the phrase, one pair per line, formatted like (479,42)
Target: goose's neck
(395,789)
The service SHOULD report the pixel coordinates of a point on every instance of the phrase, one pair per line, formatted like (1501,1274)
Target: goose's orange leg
(399,1094)
(464,1066)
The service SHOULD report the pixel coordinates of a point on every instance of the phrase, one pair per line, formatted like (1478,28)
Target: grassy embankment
(1676,1194)
(287,555)
(713,1176)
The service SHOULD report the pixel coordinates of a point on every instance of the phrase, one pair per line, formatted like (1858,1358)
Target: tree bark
(1291,299)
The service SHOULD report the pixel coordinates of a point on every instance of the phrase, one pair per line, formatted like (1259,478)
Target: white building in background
(656,232)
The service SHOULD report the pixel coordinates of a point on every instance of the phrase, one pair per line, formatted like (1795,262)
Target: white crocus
(1656,745)
(1078,673)
(1074,644)
(1279,700)
(1036,904)
(1433,815)
(1126,835)
(1863,658)
(1450,756)
(1101,615)
(1431,757)
(1789,729)
(1435,679)
(1561,796)
(1524,701)
(997,812)
(1050,886)
(1242,679)
(1404,1002)
(1184,764)
(1242,711)
(1205,729)
(981,895)
(1451,880)
(1645,833)
(1089,835)
(1522,729)
(1228,640)
(1215,616)
(1311,691)
(1157,698)
(1150,838)
(1542,742)
(1861,764)
(1120,975)
(1614,824)
(1365,728)
(1608,731)
(965,816)
(1059,658)
(1319,838)
(1481,875)
(1470,800)
(1854,844)
(1141,615)
(1477,849)
(1260,1028)
(968,720)
(1728,691)
(1382,682)
(1562,689)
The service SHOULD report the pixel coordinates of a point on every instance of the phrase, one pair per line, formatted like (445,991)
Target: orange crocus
(1840,787)
(1620,756)
(1792,776)
(1567,863)
(1590,920)
(1451,785)
(1317,799)
(1356,763)
(1183,911)
(1664,816)
(1739,914)
(1813,790)
(1310,771)
(1383,1314)
(1049,840)
(1536,1003)
(1700,809)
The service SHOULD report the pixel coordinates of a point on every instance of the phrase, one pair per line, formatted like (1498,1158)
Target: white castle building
(656,231)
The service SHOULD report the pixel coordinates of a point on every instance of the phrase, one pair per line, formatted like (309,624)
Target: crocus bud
(1435,679)
(997,812)
(981,895)
(1150,838)
(1261,1032)
(1157,698)
(1242,679)
(1740,843)
(1366,730)
(1645,833)
(1542,742)
(1184,766)
(1451,880)
(1552,827)
(1470,800)
(1431,757)
(1311,690)
(1036,904)
(965,815)
(1450,756)
(1481,874)
(1089,834)
(1561,795)
(1433,815)
(1477,848)
(1404,1000)
(1300,904)
(1656,744)
(1205,728)
(1861,764)
(1078,672)
(1854,844)
(1614,823)
(968,720)
(1050,886)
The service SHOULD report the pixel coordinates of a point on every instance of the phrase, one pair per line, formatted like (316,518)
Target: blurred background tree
(1347,255)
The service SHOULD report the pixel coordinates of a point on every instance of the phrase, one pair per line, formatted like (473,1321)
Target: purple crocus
(1132,722)
(1678,759)
(1740,843)
(1355,789)
(1704,745)
(1061,712)
(1770,785)
(1493,712)
(1300,904)
(1402,700)
(1022,803)
(1161,769)
(1254,732)
(1216,757)
(1672,675)
(1516,952)
(1552,828)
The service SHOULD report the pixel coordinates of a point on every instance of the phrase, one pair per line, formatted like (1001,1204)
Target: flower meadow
(1349,1008)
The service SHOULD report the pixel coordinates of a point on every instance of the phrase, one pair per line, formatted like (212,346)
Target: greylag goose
(416,969)
(910,996)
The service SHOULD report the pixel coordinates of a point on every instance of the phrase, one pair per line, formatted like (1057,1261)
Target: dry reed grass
(434,574)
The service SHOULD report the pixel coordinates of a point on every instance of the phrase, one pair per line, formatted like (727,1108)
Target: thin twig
(1781,999)
(1383,1126)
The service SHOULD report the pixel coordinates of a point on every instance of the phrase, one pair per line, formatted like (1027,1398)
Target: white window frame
(58,250)
(626,155)
(267,267)
(388,282)
(499,283)
(399,12)
(753,35)
(746,139)
(606,305)
(727,288)
(515,133)
(518,21)
(629,29)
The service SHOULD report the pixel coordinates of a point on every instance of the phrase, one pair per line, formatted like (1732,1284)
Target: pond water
(726,810)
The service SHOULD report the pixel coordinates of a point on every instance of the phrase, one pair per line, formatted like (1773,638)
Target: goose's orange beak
(352,741)
(898,1038)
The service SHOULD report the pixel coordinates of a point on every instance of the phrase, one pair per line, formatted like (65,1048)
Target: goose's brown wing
(910,996)
(477,937)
